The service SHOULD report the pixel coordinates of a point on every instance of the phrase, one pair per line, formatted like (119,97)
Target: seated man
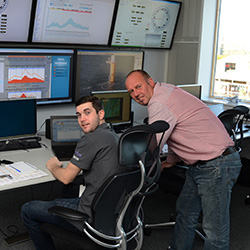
(95,154)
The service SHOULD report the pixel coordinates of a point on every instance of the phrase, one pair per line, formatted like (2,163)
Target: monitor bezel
(107,44)
(108,94)
(115,50)
(30,25)
(20,136)
(49,100)
(147,47)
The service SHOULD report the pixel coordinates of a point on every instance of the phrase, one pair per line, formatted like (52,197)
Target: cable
(13,229)
(41,126)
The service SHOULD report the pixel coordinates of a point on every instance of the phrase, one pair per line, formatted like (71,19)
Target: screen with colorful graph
(44,74)
(74,22)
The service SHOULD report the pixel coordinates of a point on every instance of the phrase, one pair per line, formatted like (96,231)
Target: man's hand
(53,163)
(166,164)
(66,174)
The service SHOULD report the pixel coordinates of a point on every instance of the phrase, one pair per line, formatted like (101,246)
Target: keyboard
(17,144)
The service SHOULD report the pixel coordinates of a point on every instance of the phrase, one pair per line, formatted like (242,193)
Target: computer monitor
(44,74)
(15,18)
(194,89)
(18,118)
(105,70)
(117,106)
(148,24)
(73,22)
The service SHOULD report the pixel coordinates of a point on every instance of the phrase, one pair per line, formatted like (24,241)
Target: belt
(228,151)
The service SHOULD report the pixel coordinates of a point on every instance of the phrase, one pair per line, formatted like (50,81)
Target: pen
(15,168)
(6,175)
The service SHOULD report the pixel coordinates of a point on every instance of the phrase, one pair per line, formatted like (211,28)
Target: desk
(37,157)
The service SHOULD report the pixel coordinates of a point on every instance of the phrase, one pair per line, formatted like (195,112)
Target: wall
(183,58)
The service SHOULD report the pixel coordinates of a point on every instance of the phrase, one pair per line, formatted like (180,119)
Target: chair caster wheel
(247,199)
(147,231)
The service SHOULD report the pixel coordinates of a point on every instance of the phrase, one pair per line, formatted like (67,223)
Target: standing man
(95,155)
(197,137)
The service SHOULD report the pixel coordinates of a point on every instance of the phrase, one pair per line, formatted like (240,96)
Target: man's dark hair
(96,103)
(142,72)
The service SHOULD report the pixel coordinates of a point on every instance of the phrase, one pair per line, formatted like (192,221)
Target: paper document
(19,171)
(22,168)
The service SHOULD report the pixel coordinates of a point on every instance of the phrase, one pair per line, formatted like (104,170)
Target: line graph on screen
(61,20)
(26,75)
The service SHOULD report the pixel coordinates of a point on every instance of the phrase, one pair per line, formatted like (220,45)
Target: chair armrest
(68,213)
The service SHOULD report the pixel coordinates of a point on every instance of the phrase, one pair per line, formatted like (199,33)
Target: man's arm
(65,175)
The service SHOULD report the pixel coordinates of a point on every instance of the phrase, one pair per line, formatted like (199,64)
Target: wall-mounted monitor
(148,23)
(44,74)
(105,70)
(73,21)
(15,20)
(18,118)
(117,106)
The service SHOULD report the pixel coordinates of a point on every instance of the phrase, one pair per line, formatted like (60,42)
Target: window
(231,75)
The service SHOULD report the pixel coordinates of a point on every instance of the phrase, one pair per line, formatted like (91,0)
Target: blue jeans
(208,189)
(35,213)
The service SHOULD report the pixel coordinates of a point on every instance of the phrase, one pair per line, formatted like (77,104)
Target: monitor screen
(44,74)
(18,118)
(104,70)
(15,20)
(65,129)
(148,24)
(193,89)
(117,105)
(75,22)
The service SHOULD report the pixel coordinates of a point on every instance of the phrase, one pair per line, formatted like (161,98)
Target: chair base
(79,240)
(148,227)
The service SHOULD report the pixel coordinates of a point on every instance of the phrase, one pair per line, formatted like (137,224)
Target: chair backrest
(233,121)
(111,202)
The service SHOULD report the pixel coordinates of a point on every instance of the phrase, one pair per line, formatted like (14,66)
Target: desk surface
(37,157)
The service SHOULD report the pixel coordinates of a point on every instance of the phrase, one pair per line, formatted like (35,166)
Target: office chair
(117,215)
(233,120)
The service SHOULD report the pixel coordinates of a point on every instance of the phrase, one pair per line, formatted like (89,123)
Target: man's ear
(151,82)
(101,114)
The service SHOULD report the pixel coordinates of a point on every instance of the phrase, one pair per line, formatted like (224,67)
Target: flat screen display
(193,89)
(44,74)
(147,23)
(105,70)
(116,104)
(73,21)
(18,118)
(15,20)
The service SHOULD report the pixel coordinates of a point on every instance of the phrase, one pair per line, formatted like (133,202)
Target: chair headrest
(139,140)
(154,128)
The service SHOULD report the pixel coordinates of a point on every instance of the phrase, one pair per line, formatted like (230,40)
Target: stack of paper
(19,171)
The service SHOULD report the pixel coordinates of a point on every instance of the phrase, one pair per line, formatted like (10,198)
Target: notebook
(65,134)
